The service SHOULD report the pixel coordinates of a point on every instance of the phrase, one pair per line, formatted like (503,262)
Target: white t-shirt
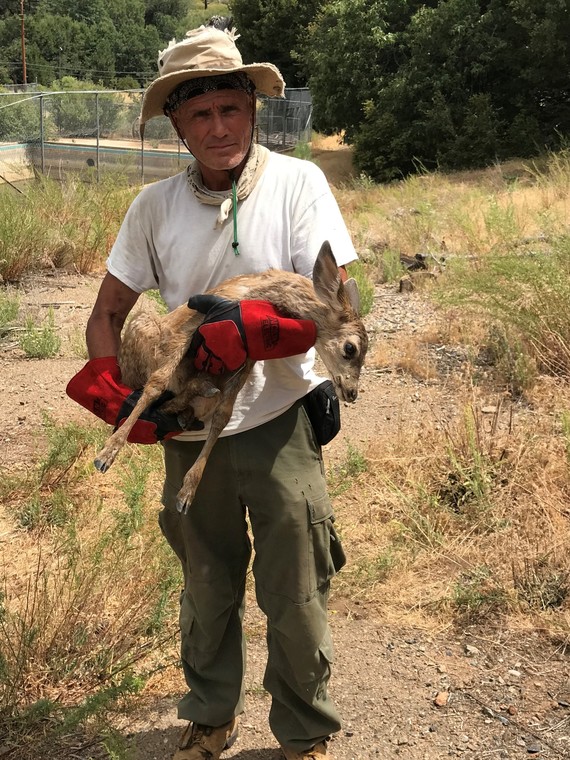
(170,241)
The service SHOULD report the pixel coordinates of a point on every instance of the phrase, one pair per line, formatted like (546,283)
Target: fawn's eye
(349,350)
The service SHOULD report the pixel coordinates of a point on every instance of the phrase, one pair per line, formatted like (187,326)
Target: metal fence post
(97,123)
(42,135)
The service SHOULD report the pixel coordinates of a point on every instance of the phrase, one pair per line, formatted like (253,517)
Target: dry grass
(55,224)
(89,590)
(409,356)
(467,214)
(464,523)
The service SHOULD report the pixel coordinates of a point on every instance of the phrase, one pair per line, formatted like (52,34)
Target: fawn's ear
(328,283)
(353,294)
(326,277)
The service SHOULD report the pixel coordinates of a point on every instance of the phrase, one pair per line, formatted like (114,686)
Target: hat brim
(265,76)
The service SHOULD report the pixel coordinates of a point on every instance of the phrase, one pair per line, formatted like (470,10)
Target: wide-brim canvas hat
(206,51)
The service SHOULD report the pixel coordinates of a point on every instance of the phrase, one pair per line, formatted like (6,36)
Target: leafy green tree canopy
(450,84)
(105,42)
(274,31)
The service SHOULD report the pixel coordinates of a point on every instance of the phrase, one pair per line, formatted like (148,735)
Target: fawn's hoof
(183,502)
(101,465)
(105,459)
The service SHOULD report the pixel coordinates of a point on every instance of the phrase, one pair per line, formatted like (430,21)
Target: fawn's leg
(220,419)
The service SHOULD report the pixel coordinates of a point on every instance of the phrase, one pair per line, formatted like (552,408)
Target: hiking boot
(200,742)
(318,752)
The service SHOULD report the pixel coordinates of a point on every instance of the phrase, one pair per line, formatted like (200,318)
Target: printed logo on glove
(236,330)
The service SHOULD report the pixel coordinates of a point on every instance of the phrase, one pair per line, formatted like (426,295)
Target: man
(238,209)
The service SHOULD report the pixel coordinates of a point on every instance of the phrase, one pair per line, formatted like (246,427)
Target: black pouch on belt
(323,409)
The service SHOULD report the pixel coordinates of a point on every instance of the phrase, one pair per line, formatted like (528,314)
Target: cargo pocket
(317,668)
(321,567)
(204,626)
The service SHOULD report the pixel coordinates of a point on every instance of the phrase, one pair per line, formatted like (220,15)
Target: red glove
(236,330)
(99,389)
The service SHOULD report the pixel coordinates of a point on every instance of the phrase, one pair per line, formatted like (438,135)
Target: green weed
(100,702)
(88,613)
(363,182)
(45,510)
(116,745)
(94,598)
(469,472)
(9,308)
(478,597)
(40,342)
(63,727)
(77,344)
(365,286)
(391,266)
(512,359)
(370,571)
(23,237)
(527,295)
(541,583)
(134,482)
(421,523)
(157,300)
(63,224)
(554,177)
(304,151)
(341,476)
(502,225)
(66,445)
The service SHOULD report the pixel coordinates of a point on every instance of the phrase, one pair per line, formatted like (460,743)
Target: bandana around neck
(252,171)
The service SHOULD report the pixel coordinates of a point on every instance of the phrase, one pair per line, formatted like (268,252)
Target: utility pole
(24,73)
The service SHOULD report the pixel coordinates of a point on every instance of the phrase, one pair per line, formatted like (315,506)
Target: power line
(55,65)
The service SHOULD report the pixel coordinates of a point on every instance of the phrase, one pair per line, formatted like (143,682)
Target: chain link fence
(97,132)
(282,123)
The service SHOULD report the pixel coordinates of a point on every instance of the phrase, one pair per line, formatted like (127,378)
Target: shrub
(40,342)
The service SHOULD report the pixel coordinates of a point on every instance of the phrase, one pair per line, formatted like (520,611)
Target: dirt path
(499,700)
(403,693)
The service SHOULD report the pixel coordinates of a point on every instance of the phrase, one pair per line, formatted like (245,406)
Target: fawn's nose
(351,394)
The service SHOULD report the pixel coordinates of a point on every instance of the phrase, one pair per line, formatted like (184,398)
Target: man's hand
(236,330)
(98,388)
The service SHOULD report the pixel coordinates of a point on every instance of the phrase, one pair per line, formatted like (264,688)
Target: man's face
(217,128)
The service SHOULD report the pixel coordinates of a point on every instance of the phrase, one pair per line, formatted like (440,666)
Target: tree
(545,50)
(353,49)
(450,84)
(11,47)
(56,47)
(76,115)
(274,31)
(92,40)
(138,52)
(165,16)
(19,119)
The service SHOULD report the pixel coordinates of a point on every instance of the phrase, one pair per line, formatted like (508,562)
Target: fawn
(154,353)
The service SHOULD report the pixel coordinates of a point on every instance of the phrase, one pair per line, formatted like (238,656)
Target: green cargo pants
(274,474)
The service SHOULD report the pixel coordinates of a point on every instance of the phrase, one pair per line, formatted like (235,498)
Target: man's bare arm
(114,302)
